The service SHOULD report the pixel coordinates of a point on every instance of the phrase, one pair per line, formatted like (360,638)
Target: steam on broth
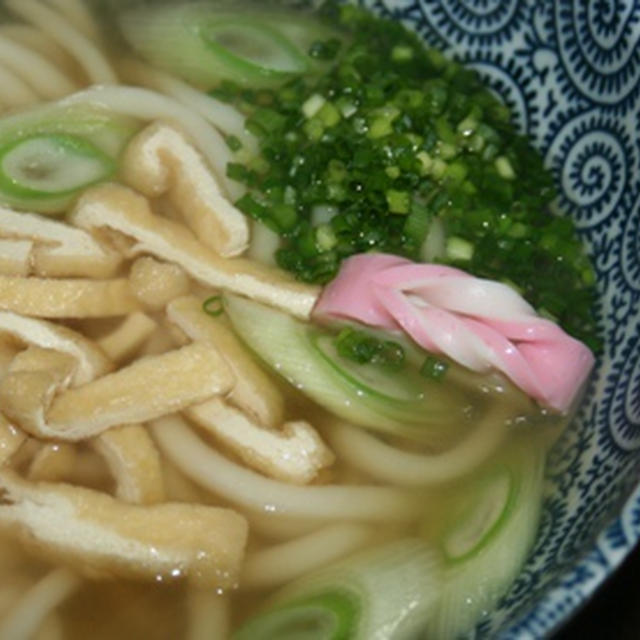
(280,327)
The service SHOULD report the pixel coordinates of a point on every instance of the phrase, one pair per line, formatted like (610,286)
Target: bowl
(570,72)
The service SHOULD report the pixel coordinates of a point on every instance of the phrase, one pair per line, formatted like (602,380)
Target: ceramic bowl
(570,71)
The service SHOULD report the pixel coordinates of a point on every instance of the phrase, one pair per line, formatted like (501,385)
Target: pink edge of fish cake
(479,323)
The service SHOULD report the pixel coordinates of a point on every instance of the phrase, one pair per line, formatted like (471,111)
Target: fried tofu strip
(37,397)
(57,249)
(11,438)
(122,343)
(91,362)
(156,283)
(103,537)
(9,347)
(292,451)
(121,209)
(73,298)
(295,454)
(129,452)
(160,160)
(254,391)
(53,462)
(15,257)
(34,377)
(134,462)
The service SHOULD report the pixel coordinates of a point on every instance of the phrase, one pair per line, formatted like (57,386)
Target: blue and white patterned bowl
(570,70)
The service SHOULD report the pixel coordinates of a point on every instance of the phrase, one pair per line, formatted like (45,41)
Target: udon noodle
(157,479)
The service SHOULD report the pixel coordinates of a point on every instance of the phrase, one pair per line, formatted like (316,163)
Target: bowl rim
(569,593)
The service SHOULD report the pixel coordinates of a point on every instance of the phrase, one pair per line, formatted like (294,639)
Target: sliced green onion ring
(41,166)
(324,616)
(204,44)
(213,306)
(398,402)
(50,153)
(485,511)
(387,592)
(254,49)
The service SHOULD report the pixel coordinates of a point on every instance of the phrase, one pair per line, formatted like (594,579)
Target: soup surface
(285,327)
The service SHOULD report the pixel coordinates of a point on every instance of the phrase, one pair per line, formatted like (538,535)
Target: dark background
(614,611)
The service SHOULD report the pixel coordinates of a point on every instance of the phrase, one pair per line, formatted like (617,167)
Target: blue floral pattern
(570,70)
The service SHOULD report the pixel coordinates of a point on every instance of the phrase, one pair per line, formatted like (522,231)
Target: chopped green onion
(398,201)
(390,354)
(356,345)
(392,172)
(504,168)
(249,205)
(447,151)
(312,105)
(468,126)
(213,306)
(456,172)
(325,49)
(401,53)
(326,237)
(426,162)
(382,120)
(364,348)
(438,168)
(234,143)
(284,215)
(329,115)
(347,107)
(314,128)
(404,135)
(239,172)
(519,230)
(434,368)
(265,121)
(458,249)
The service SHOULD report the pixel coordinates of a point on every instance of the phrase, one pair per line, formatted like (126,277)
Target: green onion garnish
(434,368)
(213,306)
(364,348)
(396,138)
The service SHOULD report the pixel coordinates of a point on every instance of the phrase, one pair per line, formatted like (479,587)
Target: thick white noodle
(14,91)
(146,104)
(39,41)
(43,76)
(276,565)
(253,491)
(387,463)
(222,116)
(79,16)
(26,616)
(279,527)
(209,615)
(90,58)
